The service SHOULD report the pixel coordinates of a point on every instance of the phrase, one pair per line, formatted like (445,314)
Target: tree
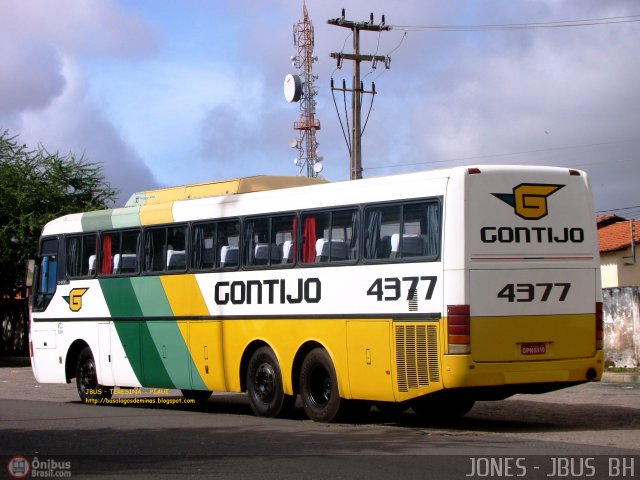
(35,187)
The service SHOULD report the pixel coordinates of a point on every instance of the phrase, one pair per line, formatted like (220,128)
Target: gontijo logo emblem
(75,298)
(529,200)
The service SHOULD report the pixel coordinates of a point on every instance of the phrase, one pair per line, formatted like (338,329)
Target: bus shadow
(512,416)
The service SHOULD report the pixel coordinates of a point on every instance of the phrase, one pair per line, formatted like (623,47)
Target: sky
(177,92)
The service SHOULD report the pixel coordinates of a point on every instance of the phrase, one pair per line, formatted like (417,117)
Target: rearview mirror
(30,270)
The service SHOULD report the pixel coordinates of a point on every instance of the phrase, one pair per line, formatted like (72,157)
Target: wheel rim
(320,386)
(88,377)
(264,382)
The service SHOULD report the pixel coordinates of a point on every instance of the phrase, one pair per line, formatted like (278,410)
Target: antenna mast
(300,88)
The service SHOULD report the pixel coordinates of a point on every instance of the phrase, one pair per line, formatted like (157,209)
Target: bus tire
(89,390)
(199,396)
(264,385)
(319,386)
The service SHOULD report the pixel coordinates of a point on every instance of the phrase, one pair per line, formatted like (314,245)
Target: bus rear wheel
(89,390)
(264,385)
(319,386)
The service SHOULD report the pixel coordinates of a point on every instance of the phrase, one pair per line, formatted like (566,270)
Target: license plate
(533,348)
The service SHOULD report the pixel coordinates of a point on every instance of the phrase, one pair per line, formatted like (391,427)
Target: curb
(609,377)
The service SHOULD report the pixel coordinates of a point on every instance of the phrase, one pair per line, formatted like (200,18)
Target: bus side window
(381,224)
(330,236)
(81,253)
(227,243)
(155,248)
(203,248)
(403,231)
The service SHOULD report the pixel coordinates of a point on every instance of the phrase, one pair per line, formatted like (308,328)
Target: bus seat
(229,256)
(92,264)
(261,254)
(116,263)
(412,245)
(322,250)
(337,249)
(129,263)
(287,251)
(176,260)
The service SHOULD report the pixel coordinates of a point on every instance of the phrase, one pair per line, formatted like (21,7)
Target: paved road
(591,429)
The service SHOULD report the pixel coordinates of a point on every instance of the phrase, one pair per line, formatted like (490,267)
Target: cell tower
(300,88)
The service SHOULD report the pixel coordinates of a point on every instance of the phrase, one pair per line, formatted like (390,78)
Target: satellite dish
(292,88)
(317,167)
(293,143)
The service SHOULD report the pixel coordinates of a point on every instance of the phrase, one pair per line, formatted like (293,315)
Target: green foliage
(35,187)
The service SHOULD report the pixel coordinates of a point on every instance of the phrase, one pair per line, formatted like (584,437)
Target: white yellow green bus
(427,290)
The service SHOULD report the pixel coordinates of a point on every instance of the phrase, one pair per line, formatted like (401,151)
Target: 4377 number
(392,288)
(529,292)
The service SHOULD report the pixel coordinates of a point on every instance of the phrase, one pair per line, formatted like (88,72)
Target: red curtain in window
(309,239)
(105,263)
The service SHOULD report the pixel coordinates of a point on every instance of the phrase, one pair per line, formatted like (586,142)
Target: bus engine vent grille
(416,356)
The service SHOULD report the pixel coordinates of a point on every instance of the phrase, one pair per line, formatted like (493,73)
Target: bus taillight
(599,326)
(459,329)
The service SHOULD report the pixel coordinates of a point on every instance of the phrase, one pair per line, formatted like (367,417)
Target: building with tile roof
(619,240)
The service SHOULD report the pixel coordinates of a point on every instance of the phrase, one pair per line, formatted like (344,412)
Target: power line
(519,26)
(357,89)
(493,155)
(618,209)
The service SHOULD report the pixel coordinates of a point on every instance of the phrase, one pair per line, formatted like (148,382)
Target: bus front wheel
(264,385)
(89,390)
(319,386)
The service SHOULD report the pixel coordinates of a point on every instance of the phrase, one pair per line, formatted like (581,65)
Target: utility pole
(357,88)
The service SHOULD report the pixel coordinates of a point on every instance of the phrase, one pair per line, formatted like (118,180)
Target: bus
(429,290)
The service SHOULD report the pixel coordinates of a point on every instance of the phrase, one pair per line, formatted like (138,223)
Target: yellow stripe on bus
(156,214)
(185,299)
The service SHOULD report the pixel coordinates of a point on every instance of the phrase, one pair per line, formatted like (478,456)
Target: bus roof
(258,183)
(154,207)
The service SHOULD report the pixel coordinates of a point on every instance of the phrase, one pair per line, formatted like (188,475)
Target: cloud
(72,124)
(43,91)
(203,88)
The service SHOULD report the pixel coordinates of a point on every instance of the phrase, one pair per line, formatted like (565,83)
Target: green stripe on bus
(120,297)
(126,217)
(151,297)
(156,349)
(100,220)
(156,357)
(170,349)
